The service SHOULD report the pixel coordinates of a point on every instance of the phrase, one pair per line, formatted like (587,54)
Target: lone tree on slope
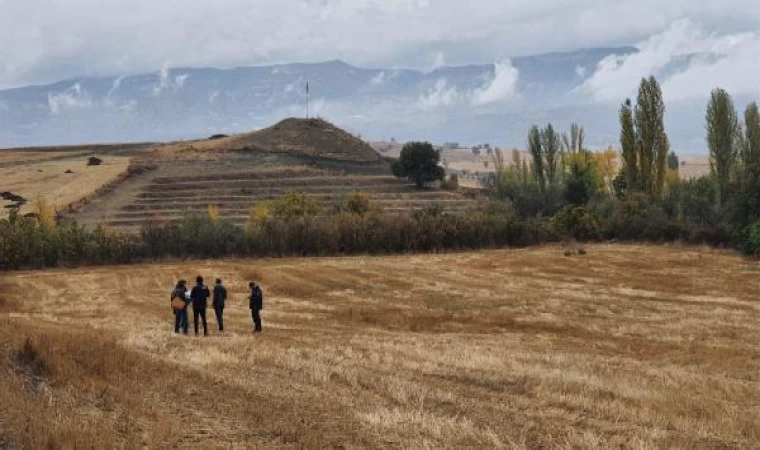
(419,163)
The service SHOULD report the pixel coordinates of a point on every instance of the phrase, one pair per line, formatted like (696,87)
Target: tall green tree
(503,176)
(751,146)
(537,153)
(722,131)
(673,162)
(572,143)
(550,141)
(651,141)
(750,168)
(628,146)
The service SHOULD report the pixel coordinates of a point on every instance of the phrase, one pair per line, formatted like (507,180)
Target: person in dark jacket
(180,315)
(199,295)
(220,295)
(256,304)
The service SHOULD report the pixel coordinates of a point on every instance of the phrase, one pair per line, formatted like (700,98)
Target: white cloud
(163,80)
(737,70)
(61,39)
(70,99)
(440,95)
(580,71)
(439,60)
(687,60)
(378,80)
(179,80)
(129,106)
(502,87)
(115,86)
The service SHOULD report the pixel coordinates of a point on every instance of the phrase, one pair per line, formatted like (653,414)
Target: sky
(44,41)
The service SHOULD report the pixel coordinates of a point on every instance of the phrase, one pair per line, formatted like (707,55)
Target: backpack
(177,302)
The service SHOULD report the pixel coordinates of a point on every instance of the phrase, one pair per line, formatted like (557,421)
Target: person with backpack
(256,304)
(179,302)
(199,296)
(220,295)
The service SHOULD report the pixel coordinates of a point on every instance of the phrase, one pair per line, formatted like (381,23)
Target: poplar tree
(722,131)
(751,146)
(651,141)
(537,153)
(628,146)
(550,142)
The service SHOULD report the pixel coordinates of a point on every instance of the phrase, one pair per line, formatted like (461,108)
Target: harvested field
(626,347)
(50,180)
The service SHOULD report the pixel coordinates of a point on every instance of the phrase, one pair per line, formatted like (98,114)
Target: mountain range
(494,103)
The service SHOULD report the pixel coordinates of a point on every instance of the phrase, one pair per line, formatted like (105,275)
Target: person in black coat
(256,304)
(220,295)
(199,295)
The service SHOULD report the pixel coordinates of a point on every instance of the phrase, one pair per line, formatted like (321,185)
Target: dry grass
(627,347)
(50,180)
(10,157)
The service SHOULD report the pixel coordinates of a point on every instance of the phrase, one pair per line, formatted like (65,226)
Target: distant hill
(473,104)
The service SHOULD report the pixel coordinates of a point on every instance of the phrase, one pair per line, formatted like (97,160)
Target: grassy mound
(316,138)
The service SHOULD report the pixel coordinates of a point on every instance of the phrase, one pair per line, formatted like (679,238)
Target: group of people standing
(198,297)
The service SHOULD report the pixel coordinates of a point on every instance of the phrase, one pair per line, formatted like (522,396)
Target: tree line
(578,188)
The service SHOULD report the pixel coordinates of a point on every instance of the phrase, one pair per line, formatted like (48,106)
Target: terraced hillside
(236,181)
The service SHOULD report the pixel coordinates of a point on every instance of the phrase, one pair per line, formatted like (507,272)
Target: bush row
(25,243)
(31,243)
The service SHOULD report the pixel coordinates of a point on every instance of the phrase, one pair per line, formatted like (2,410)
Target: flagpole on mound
(307,99)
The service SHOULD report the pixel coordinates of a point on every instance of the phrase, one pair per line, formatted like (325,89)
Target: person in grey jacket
(220,295)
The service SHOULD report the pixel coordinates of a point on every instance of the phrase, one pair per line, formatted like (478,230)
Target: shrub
(583,179)
(32,359)
(529,201)
(357,203)
(45,213)
(294,204)
(213,213)
(94,161)
(259,215)
(576,222)
(451,183)
(750,244)
(638,219)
